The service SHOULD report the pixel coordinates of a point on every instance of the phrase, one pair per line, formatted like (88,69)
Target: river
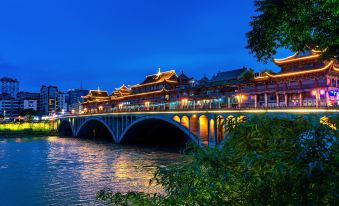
(69,171)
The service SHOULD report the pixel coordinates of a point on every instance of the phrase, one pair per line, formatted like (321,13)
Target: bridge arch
(150,129)
(203,129)
(65,128)
(95,127)
(185,121)
(176,118)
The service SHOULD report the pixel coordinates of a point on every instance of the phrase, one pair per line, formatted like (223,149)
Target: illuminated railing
(208,108)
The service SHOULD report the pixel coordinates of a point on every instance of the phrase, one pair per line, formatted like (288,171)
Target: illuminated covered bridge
(168,128)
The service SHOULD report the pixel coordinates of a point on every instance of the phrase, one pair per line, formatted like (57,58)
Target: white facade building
(30,104)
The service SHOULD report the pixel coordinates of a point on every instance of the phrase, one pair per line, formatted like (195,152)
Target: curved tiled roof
(228,75)
(183,76)
(311,54)
(97,93)
(168,76)
(159,77)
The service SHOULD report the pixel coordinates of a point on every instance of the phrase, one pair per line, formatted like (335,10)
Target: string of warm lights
(194,112)
(293,58)
(296,73)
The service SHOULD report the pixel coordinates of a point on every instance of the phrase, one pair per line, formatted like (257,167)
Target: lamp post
(4,114)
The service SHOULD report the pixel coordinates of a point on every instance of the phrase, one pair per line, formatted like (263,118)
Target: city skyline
(105,45)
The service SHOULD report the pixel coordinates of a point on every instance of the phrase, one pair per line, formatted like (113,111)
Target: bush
(263,161)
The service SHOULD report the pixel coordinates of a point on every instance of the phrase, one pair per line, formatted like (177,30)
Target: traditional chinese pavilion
(304,80)
(95,101)
(153,92)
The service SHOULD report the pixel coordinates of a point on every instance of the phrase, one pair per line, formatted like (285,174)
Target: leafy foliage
(295,25)
(263,161)
(28,113)
(249,74)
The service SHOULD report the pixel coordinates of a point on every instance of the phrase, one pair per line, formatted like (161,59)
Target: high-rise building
(75,99)
(62,102)
(48,99)
(9,86)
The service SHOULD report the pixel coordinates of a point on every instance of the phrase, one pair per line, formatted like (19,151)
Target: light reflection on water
(69,171)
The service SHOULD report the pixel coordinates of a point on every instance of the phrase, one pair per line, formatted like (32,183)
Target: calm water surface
(69,171)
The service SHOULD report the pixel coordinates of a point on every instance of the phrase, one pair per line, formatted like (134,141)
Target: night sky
(110,42)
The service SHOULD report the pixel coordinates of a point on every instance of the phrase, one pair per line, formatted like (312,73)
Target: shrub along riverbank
(26,129)
(263,161)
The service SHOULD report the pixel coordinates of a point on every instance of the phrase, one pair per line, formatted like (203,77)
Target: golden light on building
(120,106)
(101,108)
(289,59)
(185,121)
(147,104)
(184,102)
(203,128)
(176,118)
(267,75)
(212,130)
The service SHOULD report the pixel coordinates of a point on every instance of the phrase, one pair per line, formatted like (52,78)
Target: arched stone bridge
(203,127)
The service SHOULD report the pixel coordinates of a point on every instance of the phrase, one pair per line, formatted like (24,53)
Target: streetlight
(4,114)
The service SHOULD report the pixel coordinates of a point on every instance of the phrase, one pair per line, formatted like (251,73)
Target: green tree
(249,74)
(295,25)
(263,161)
(28,113)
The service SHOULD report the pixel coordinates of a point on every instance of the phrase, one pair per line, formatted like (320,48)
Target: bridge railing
(206,108)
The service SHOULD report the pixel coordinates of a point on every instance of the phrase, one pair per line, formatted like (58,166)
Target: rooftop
(97,93)
(8,79)
(228,75)
(169,76)
(298,56)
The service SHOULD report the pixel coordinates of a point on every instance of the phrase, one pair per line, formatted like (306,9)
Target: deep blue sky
(111,42)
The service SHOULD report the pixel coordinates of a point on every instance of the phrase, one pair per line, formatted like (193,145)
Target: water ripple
(69,171)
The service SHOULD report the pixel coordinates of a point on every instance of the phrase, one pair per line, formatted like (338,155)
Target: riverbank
(27,129)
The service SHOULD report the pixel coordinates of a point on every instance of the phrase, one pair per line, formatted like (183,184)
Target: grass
(27,128)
